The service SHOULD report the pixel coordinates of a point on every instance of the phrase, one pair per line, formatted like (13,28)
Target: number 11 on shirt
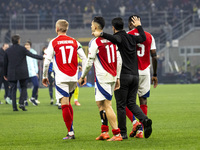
(108,53)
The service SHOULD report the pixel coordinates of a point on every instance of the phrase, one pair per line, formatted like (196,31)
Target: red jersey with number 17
(143,52)
(64,51)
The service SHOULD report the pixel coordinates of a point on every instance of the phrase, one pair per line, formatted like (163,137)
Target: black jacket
(2,53)
(127,46)
(15,65)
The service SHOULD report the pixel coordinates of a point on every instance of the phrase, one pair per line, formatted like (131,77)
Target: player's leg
(34,91)
(136,110)
(23,94)
(121,101)
(107,105)
(104,127)
(76,93)
(13,90)
(143,93)
(51,80)
(35,88)
(64,94)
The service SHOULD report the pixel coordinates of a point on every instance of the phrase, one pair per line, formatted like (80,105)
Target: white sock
(71,133)
(134,122)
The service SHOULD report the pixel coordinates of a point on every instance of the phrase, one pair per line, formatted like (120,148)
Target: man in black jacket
(129,78)
(15,69)
(2,80)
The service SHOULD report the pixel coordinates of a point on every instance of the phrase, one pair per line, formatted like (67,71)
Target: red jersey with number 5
(65,49)
(143,49)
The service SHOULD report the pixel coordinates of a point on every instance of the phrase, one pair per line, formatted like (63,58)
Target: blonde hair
(62,25)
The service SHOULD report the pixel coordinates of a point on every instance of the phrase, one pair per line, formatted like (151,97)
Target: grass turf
(174,109)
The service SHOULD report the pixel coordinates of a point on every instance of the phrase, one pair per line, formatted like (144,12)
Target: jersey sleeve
(35,62)
(119,64)
(81,54)
(91,56)
(48,57)
(153,43)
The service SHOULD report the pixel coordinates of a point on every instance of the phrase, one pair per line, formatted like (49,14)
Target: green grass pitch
(174,110)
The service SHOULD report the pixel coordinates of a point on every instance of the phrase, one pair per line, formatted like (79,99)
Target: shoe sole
(148,128)
(134,132)
(102,138)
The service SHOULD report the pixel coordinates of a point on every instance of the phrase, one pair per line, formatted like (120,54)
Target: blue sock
(134,118)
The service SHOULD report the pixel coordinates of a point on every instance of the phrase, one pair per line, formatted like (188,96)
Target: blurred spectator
(196,77)
(7,36)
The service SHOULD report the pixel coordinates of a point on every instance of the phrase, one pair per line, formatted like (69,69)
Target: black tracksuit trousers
(126,96)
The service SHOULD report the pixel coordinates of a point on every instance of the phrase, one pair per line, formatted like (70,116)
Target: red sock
(71,110)
(129,114)
(67,116)
(104,128)
(115,131)
(144,109)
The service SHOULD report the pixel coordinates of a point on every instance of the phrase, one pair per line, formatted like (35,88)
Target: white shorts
(104,91)
(65,89)
(144,86)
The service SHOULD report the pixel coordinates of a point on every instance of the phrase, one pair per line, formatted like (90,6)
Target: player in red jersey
(63,50)
(107,63)
(144,50)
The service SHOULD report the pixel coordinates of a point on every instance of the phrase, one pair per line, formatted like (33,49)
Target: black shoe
(59,107)
(147,127)
(22,107)
(15,109)
(68,137)
(25,103)
(32,100)
(124,136)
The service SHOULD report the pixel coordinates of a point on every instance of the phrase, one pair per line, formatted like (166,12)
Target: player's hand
(96,33)
(45,82)
(117,85)
(82,81)
(5,78)
(154,80)
(135,21)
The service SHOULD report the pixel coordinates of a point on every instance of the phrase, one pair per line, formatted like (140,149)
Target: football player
(63,50)
(144,50)
(107,63)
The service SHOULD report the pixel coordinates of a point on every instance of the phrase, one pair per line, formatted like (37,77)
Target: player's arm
(5,66)
(48,57)
(91,56)
(35,63)
(83,57)
(119,67)
(28,53)
(115,39)
(137,24)
(154,63)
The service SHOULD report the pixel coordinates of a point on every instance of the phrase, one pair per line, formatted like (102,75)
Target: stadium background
(175,24)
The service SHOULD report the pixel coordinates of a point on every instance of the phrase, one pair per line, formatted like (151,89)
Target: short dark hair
(29,42)
(15,39)
(100,21)
(118,23)
(129,19)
